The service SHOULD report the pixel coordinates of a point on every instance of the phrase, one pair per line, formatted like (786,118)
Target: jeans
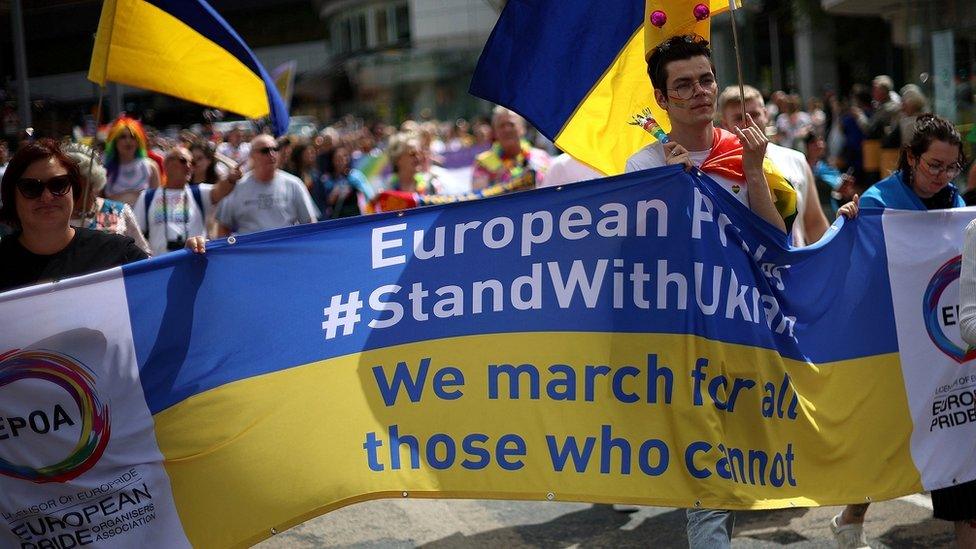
(710,528)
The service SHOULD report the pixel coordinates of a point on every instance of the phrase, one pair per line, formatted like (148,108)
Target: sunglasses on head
(31,188)
(181,159)
(268,150)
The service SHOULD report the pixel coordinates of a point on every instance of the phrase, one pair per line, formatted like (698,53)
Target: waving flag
(183,48)
(577,71)
(644,339)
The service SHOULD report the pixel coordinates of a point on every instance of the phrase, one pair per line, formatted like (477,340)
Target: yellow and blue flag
(576,69)
(183,48)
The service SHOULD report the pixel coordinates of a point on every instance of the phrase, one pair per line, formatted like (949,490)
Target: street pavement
(448,524)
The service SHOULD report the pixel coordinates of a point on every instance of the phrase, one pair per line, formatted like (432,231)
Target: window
(381,25)
(340,36)
(402,18)
(358,26)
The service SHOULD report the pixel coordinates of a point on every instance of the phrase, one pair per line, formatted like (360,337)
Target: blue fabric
(576,57)
(201,17)
(828,174)
(323,187)
(892,192)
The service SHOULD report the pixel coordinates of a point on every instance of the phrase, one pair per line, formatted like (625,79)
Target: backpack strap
(150,193)
(198,198)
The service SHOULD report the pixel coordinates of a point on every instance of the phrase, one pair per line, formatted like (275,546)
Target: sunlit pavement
(906,522)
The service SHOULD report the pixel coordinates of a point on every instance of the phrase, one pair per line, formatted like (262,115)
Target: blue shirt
(892,192)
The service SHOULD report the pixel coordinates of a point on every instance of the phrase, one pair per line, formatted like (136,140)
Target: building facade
(933,43)
(393,59)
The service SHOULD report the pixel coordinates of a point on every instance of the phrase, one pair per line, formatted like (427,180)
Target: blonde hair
(93,173)
(731,95)
(500,111)
(399,144)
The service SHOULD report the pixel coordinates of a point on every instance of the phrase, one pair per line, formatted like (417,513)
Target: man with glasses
(683,78)
(266,197)
(170,215)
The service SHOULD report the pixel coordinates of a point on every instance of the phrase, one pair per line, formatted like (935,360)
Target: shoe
(848,536)
(625,508)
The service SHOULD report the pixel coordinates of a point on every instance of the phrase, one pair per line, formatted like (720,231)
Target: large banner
(641,339)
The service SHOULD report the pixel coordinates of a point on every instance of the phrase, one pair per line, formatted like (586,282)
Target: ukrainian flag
(183,48)
(576,69)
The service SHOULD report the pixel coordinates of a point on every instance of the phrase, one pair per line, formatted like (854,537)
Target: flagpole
(738,59)
(98,121)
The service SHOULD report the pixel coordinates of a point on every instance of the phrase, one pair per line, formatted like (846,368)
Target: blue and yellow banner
(642,339)
(183,48)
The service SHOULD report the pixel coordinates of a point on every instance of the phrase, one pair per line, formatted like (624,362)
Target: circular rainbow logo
(946,275)
(79,382)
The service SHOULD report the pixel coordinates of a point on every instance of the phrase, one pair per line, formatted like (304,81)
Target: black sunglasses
(31,188)
(268,150)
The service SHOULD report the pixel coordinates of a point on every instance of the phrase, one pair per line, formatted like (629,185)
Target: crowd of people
(71,209)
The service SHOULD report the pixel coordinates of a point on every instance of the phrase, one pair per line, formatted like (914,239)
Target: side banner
(643,339)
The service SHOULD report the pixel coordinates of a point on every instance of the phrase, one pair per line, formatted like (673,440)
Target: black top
(88,251)
(942,200)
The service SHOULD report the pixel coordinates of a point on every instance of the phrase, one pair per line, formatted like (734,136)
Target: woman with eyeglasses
(926,168)
(130,170)
(39,190)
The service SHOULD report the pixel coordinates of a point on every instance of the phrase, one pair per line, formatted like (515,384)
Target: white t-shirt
(258,205)
(652,156)
(566,169)
(793,165)
(178,218)
(238,154)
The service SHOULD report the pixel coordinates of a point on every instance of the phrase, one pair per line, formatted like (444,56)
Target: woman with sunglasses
(130,170)
(927,165)
(38,191)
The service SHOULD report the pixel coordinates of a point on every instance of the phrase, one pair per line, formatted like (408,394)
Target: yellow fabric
(680,20)
(140,45)
(597,134)
(294,453)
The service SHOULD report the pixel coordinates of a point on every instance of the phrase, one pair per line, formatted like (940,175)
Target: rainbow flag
(183,48)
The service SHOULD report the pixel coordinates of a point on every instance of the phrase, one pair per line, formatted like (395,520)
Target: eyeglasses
(937,169)
(686,90)
(31,188)
(268,150)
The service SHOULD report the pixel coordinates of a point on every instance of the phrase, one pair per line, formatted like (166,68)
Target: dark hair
(296,161)
(28,154)
(208,149)
(676,48)
(329,160)
(861,95)
(928,128)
